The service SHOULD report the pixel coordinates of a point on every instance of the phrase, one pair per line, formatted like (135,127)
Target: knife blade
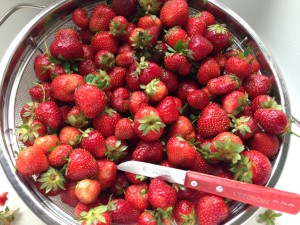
(252,194)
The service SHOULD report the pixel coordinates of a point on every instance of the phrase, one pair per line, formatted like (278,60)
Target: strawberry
(125,9)
(147,124)
(132,77)
(207,17)
(147,21)
(218,35)
(140,38)
(147,71)
(31,161)
(167,110)
(70,135)
(109,117)
(125,59)
(156,90)
(124,129)
(211,209)
(90,100)
(28,110)
(137,196)
(3,198)
(151,6)
(174,13)
(115,149)
(49,114)
(254,167)
(117,77)
(68,196)
(86,67)
(120,185)
(221,60)
(256,85)
(180,152)
(170,79)
(107,173)
(148,151)
(238,66)
(137,101)
(122,212)
(87,190)
(147,218)
(185,87)
(264,102)
(81,165)
(207,70)
(105,41)
(245,127)
(63,86)
(104,60)
(119,100)
(41,92)
(59,154)
(198,99)
(161,194)
(195,26)
(97,216)
(41,67)
(100,18)
(94,142)
(184,212)
(174,35)
(76,118)
(80,18)
(201,165)
(117,26)
(135,178)
(272,121)
(64,110)
(255,66)
(183,128)
(223,84)
(213,120)
(66,33)
(46,143)
(235,102)
(178,63)
(200,47)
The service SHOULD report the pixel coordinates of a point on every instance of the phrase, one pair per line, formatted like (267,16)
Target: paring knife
(244,192)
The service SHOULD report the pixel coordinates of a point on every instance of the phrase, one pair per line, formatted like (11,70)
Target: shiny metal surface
(16,76)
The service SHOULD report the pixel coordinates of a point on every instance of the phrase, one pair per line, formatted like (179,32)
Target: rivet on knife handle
(248,193)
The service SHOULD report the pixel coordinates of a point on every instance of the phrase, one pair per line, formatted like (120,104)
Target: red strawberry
(28,110)
(200,47)
(86,36)
(46,143)
(70,135)
(116,149)
(195,25)
(198,99)
(120,185)
(104,60)
(235,102)
(201,165)
(168,110)
(64,110)
(254,167)
(184,212)
(59,154)
(174,35)
(238,66)
(107,173)
(147,124)
(207,70)
(86,67)
(148,151)
(66,33)
(255,66)
(174,13)
(264,102)
(122,212)
(137,196)
(109,117)
(98,215)
(178,63)
(135,178)
(170,79)
(80,18)
(245,127)
(256,85)
(147,21)
(119,100)
(3,198)
(76,118)
(185,87)
(147,71)
(161,194)
(213,120)
(87,190)
(81,165)
(31,161)
(125,9)
(147,218)
(156,90)
(68,196)
(140,38)
(41,92)
(100,18)
(211,210)
(207,17)
(272,121)
(94,142)
(125,59)
(49,114)
(90,100)
(223,84)
(63,86)
(180,152)
(105,41)
(137,101)
(124,129)
(151,6)
(182,127)
(117,77)
(218,35)
(41,67)
(117,26)
(221,60)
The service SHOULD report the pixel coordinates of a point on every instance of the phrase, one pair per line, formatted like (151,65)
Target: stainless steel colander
(17,75)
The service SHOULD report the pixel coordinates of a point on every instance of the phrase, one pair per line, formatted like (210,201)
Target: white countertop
(277,24)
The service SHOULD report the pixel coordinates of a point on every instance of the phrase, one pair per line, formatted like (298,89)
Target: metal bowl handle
(17,7)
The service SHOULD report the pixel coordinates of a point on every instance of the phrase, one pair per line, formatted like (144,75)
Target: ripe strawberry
(221,60)
(105,41)
(170,79)
(98,215)
(137,101)
(235,102)
(147,71)
(100,18)
(137,196)
(68,196)
(182,127)
(124,129)
(107,173)
(167,110)
(66,33)
(185,87)
(147,124)
(46,143)
(109,117)
(201,165)
(180,152)
(213,120)
(93,142)
(115,149)
(104,60)
(272,121)
(117,26)
(28,110)
(255,66)
(151,6)
(140,38)
(70,135)
(211,209)
(184,212)
(117,77)
(178,63)
(120,185)
(256,85)
(122,212)
(238,66)
(90,100)
(76,118)
(254,167)
(147,21)
(200,47)
(86,67)
(207,70)
(148,151)
(135,178)
(195,26)
(31,161)
(81,165)
(223,84)
(147,218)
(174,13)
(198,99)
(161,194)
(59,154)
(125,59)
(218,35)
(64,86)
(174,35)
(207,17)
(41,67)
(80,18)
(245,127)
(119,100)
(87,190)
(3,198)
(125,9)
(49,114)
(156,90)
(264,102)
(41,92)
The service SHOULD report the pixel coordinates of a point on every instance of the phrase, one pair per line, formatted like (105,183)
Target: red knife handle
(244,192)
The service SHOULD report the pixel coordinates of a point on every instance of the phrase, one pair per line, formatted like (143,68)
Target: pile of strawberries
(142,80)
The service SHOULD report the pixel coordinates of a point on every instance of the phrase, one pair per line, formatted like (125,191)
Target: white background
(277,24)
